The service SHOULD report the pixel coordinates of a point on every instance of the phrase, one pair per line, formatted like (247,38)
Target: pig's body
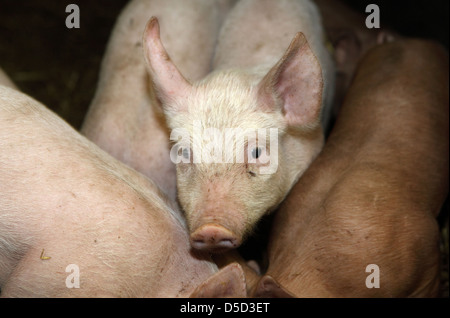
(259,81)
(64,201)
(372,195)
(124,118)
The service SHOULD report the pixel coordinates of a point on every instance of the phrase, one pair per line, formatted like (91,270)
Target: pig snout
(216,229)
(214,236)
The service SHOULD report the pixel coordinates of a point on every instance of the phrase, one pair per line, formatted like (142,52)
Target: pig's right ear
(169,83)
(268,287)
(229,282)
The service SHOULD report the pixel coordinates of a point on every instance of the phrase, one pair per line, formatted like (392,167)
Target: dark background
(59,66)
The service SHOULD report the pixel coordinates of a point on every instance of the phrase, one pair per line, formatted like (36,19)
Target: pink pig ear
(268,287)
(295,84)
(169,83)
(228,282)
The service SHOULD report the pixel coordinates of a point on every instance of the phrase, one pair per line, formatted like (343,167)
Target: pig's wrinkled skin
(372,195)
(65,201)
(124,118)
(258,81)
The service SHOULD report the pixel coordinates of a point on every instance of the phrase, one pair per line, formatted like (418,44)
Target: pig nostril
(198,244)
(228,243)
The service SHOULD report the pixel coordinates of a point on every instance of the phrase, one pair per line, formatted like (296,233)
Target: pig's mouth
(214,238)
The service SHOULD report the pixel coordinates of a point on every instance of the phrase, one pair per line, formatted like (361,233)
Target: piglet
(267,94)
(75,222)
(361,222)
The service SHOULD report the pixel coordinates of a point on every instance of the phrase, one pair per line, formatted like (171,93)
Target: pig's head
(241,140)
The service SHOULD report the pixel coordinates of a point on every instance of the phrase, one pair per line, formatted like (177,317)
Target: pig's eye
(256,152)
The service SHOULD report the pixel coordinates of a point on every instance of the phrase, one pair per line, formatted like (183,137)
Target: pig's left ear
(169,83)
(227,282)
(295,85)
